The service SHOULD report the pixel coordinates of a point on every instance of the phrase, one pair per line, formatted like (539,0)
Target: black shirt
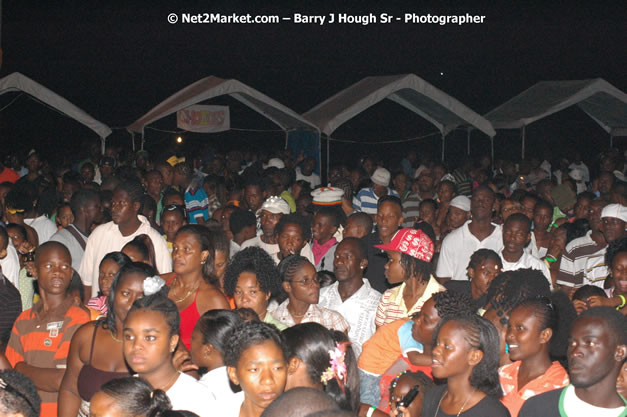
(487,407)
(463,287)
(377,258)
(11,303)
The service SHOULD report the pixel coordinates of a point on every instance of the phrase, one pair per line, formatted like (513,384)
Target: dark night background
(116,61)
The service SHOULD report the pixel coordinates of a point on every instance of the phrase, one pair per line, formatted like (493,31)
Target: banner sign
(204,119)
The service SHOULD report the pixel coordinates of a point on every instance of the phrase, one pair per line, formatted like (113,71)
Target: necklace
(186,295)
(463,405)
(168,384)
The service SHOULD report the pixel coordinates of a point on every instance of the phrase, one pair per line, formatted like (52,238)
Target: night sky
(116,61)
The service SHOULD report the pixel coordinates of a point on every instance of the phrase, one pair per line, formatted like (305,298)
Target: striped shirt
(574,258)
(45,343)
(330,319)
(196,205)
(392,305)
(366,200)
(410,207)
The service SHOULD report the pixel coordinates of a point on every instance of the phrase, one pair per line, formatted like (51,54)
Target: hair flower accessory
(337,369)
(152,285)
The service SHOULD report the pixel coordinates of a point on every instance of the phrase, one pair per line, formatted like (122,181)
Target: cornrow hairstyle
(18,395)
(414,267)
(133,188)
(613,319)
(347,396)
(248,334)
(453,303)
(143,244)
(301,221)
(613,249)
(215,325)
(161,303)
(482,255)
(510,288)
(127,267)
(480,334)
(136,397)
(556,313)
(290,265)
(257,261)
(419,378)
(203,236)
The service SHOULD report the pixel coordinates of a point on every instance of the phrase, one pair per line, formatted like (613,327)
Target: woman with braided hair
(537,337)
(302,286)
(466,354)
(505,293)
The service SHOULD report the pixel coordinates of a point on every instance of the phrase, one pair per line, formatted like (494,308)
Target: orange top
(513,398)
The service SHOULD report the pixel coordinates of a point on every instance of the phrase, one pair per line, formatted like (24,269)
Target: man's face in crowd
(593,353)
(389,218)
(481,204)
(612,228)
(254,197)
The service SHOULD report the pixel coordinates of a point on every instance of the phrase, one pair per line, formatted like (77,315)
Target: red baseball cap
(412,242)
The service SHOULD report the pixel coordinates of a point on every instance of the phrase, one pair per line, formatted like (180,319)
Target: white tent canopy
(600,100)
(19,82)
(210,87)
(408,90)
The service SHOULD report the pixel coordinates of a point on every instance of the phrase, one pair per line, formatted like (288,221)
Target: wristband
(550,258)
(623,301)
(371,411)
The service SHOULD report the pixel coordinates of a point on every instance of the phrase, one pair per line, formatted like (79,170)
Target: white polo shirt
(359,310)
(107,238)
(527,261)
(459,245)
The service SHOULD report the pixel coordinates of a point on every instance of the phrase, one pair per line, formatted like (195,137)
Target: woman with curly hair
(193,285)
(251,278)
(466,354)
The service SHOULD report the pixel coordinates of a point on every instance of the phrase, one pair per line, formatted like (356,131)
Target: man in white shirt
(87,211)
(9,261)
(613,221)
(460,244)
(112,236)
(44,227)
(516,235)
(351,295)
(307,174)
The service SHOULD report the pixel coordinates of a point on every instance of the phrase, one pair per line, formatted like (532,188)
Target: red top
(189,317)
(8,175)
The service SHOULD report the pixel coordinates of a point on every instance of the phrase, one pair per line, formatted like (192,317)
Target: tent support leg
(142,143)
(523,143)
(468,139)
(328,161)
(133,141)
(443,143)
(103,145)
(492,150)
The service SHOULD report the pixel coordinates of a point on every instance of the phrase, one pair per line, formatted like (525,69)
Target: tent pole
(103,145)
(523,143)
(328,163)
(443,140)
(287,137)
(468,151)
(492,149)
(142,143)
(133,140)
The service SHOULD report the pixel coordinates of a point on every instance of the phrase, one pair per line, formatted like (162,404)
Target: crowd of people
(240,284)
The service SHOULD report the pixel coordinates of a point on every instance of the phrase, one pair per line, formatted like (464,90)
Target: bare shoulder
(210,298)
